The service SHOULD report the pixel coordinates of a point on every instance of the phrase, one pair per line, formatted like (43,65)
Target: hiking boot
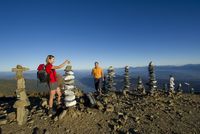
(50,112)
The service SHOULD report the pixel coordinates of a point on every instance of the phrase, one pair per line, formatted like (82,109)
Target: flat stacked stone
(22,99)
(140,86)
(110,79)
(152,79)
(69,81)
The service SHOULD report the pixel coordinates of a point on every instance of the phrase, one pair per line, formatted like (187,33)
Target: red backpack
(42,74)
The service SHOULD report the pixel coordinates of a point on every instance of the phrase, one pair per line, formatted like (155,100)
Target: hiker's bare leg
(59,95)
(52,94)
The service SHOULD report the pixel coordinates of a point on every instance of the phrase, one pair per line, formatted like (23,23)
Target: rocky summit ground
(114,113)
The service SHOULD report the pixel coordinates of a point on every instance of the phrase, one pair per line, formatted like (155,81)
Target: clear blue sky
(113,32)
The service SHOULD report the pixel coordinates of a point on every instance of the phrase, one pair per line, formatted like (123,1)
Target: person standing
(53,81)
(98,75)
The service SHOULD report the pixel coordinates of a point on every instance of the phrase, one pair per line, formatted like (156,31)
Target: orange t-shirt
(97,72)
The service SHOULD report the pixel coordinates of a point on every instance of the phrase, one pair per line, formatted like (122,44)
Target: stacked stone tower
(126,78)
(110,79)
(171,85)
(69,81)
(140,86)
(152,79)
(22,99)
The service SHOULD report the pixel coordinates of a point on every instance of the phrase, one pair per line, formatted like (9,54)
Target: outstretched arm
(61,65)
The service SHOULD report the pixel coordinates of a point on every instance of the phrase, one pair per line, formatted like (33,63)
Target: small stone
(31,122)
(46,131)
(11,116)
(62,115)
(81,106)
(109,108)
(136,119)
(56,118)
(100,105)
(82,101)
(68,130)
(150,117)
(3,121)
(44,103)
(105,100)
(133,131)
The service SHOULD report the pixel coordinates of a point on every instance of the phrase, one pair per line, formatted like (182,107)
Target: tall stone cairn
(165,87)
(171,85)
(192,91)
(179,89)
(69,81)
(140,86)
(104,84)
(110,79)
(127,82)
(152,79)
(22,99)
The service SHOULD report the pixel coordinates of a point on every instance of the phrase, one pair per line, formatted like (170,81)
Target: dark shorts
(98,83)
(53,86)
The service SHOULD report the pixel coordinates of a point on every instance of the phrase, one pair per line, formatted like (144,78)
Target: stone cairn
(152,79)
(22,99)
(69,80)
(110,79)
(165,87)
(171,85)
(140,86)
(126,80)
(179,89)
(192,91)
(104,84)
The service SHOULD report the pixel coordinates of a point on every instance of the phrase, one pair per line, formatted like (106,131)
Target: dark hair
(96,62)
(49,57)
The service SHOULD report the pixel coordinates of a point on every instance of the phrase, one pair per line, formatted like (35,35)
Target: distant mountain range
(187,73)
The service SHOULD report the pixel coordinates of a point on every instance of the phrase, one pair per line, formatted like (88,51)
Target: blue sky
(113,32)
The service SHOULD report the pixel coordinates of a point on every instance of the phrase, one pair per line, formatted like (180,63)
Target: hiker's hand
(67,62)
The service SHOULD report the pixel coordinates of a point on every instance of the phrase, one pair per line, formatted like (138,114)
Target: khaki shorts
(53,86)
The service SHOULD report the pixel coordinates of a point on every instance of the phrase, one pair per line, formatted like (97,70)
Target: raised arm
(61,65)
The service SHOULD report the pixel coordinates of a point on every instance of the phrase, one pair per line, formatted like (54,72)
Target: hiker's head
(96,64)
(50,59)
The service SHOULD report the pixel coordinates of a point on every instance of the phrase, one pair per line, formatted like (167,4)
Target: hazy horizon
(113,66)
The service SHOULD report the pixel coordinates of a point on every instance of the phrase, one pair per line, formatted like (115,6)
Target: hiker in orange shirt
(98,75)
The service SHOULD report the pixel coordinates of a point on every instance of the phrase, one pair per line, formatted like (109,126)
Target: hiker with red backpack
(47,73)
